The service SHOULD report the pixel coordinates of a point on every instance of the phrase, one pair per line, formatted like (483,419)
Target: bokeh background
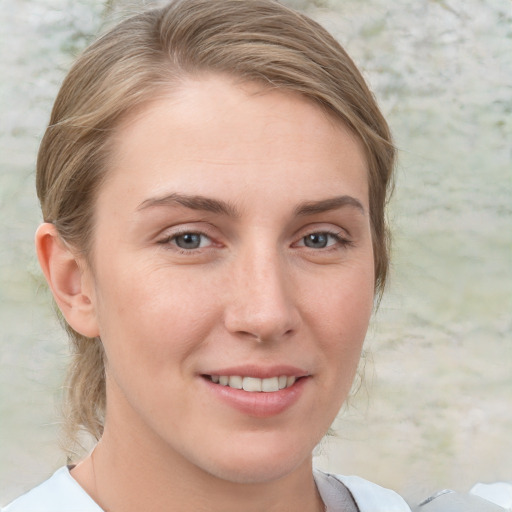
(435,407)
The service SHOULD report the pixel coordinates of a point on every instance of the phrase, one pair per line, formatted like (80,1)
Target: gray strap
(451,501)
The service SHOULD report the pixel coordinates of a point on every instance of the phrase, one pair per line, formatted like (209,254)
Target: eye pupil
(188,241)
(316,240)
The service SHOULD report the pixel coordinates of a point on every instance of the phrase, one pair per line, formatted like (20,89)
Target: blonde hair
(142,57)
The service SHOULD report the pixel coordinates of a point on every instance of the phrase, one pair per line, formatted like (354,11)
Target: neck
(123,474)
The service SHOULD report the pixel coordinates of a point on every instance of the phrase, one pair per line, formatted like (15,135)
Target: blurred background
(435,407)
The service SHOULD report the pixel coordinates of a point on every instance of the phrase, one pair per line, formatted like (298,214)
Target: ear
(69,280)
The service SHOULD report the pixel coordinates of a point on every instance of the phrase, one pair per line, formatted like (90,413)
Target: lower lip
(258,404)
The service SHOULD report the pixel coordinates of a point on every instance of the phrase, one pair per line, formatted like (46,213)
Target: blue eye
(190,241)
(316,240)
(320,240)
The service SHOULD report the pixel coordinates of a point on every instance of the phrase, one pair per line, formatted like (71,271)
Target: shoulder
(60,493)
(368,496)
(495,497)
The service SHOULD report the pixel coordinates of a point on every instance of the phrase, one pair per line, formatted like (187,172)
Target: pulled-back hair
(142,58)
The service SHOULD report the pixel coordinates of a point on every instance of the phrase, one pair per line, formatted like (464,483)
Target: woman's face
(232,246)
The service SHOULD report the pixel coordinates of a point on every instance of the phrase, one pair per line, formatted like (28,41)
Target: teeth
(235,382)
(269,385)
(253,384)
(290,381)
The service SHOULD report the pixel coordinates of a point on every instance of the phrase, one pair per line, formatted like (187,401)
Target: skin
(255,292)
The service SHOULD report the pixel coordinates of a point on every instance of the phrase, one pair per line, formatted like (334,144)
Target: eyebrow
(193,202)
(218,206)
(325,205)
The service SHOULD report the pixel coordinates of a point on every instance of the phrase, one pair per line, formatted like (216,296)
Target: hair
(142,58)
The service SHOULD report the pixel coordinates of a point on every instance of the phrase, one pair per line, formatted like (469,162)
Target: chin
(254,474)
(258,463)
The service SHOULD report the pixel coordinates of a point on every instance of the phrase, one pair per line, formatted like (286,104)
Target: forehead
(212,132)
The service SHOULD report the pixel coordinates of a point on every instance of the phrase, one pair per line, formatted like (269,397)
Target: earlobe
(71,287)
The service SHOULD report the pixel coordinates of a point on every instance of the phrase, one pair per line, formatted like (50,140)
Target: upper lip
(260,372)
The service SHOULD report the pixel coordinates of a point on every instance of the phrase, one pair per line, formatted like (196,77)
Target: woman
(213,183)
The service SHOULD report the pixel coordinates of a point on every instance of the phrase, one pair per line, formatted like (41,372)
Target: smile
(253,384)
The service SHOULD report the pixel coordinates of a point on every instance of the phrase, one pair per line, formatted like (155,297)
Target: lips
(259,392)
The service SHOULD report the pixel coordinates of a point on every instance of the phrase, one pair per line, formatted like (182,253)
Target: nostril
(262,338)
(253,336)
(261,322)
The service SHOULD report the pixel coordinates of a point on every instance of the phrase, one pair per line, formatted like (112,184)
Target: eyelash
(171,240)
(340,241)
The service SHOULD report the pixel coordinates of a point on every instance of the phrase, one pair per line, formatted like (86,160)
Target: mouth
(257,391)
(253,384)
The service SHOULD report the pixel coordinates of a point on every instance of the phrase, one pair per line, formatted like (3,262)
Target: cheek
(346,303)
(340,317)
(149,314)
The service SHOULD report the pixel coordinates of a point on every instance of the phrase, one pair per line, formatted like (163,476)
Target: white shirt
(62,493)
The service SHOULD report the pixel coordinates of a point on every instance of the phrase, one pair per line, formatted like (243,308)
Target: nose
(261,303)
